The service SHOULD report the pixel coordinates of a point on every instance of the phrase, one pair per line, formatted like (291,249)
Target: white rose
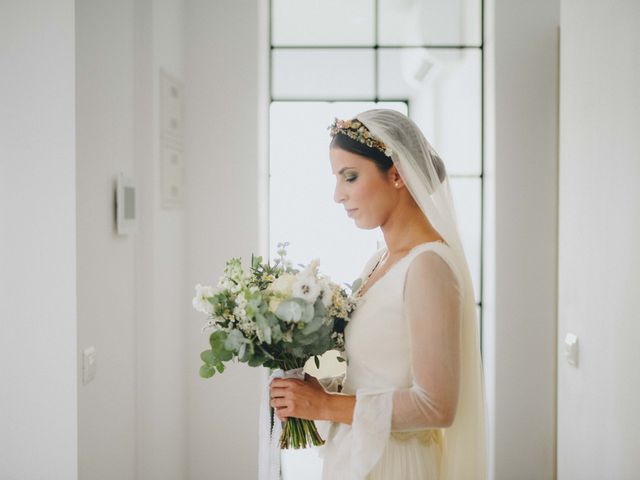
(283,284)
(273,304)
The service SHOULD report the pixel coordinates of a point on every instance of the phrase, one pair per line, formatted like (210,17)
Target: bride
(411,404)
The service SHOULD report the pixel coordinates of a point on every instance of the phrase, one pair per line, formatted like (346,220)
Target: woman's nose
(338,196)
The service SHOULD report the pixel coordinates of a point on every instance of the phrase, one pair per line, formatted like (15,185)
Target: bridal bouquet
(274,316)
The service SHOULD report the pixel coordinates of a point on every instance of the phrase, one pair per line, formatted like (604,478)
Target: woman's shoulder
(436,258)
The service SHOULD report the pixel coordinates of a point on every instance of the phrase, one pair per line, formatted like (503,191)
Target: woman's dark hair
(383,162)
(343,142)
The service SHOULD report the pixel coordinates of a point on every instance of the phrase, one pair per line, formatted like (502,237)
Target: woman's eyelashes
(351,178)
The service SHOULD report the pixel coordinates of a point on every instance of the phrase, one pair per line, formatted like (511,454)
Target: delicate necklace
(359,293)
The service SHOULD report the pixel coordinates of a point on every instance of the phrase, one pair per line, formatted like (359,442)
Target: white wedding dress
(402,348)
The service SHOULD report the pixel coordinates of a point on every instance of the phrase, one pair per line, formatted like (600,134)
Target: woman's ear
(395,177)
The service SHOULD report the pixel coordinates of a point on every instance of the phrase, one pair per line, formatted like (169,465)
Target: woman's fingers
(278,403)
(280,407)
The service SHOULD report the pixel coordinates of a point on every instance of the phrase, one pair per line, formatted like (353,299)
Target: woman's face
(367,194)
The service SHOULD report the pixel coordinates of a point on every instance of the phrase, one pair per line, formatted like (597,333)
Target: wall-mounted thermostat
(126,209)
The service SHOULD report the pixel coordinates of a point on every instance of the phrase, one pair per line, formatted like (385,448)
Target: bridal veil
(424,174)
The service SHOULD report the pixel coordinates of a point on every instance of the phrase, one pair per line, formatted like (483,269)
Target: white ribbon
(269,454)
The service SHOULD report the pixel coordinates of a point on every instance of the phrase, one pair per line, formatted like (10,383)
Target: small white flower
(388,152)
(247,326)
(240,313)
(200,302)
(306,288)
(241,300)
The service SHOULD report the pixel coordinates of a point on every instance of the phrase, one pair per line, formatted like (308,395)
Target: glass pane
(323,23)
(323,74)
(468,203)
(302,210)
(444,90)
(429,22)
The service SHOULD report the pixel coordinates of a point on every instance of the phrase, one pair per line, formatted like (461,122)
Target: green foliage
(217,341)
(207,371)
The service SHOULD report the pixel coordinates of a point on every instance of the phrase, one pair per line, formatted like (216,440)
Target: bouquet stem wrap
(270,439)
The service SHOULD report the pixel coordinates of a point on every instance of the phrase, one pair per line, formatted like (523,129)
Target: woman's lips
(350,211)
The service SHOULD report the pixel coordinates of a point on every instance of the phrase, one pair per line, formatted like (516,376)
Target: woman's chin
(364,225)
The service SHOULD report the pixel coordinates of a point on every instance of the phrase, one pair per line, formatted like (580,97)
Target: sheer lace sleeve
(433,309)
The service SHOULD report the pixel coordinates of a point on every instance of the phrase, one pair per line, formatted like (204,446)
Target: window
(334,59)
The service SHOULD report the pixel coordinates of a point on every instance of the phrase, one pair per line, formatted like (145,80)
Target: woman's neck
(407,228)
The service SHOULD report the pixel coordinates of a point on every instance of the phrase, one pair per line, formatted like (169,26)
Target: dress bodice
(387,347)
(377,336)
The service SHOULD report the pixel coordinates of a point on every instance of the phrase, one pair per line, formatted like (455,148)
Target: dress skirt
(409,457)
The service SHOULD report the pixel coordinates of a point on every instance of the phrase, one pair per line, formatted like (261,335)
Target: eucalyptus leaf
(217,340)
(257,359)
(289,311)
(317,361)
(356,284)
(263,324)
(307,312)
(219,351)
(300,338)
(208,357)
(276,333)
(235,340)
(320,309)
(313,326)
(207,371)
(272,319)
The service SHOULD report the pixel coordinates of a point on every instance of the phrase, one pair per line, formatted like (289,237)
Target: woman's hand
(291,397)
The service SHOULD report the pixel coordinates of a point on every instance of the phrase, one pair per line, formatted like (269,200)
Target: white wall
(161,296)
(37,241)
(225,54)
(521,91)
(130,289)
(106,280)
(599,263)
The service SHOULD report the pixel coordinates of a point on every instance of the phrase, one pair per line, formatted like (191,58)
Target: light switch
(88,364)
(571,349)
(172,175)
(170,107)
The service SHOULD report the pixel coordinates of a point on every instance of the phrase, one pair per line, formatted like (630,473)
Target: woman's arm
(339,408)
(433,309)
(308,399)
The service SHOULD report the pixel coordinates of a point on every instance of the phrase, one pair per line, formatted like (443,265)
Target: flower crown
(355,130)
